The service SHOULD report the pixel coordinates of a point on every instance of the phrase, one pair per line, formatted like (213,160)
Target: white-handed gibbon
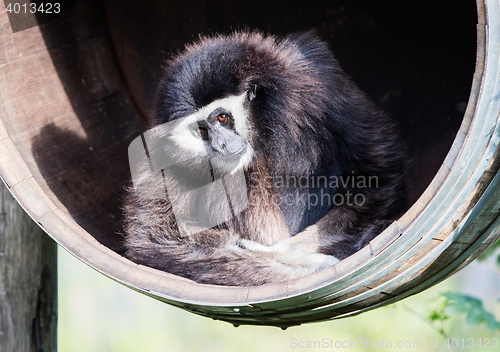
(265,163)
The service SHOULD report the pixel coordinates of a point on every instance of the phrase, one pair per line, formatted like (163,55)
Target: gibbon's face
(219,130)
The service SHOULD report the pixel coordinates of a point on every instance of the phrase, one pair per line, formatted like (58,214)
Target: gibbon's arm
(236,262)
(216,256)
(320,245)
(223,256)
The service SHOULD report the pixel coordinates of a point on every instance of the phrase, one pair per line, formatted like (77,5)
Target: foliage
(438,314)
(456,304)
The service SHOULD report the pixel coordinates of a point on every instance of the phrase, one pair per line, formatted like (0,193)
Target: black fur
(309,120)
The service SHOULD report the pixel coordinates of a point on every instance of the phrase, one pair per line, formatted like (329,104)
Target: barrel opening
(414,63)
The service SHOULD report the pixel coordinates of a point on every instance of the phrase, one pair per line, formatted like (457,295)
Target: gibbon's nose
(224,140)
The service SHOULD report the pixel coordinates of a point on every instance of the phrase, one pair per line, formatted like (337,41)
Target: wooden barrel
(73,95)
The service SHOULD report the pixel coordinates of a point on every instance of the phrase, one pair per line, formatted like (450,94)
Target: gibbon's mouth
(239,152)
(232,162)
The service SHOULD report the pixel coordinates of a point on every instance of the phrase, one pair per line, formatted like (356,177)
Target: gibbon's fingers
(255,246)
(308,241)
(291,253)
(308,261)
(273,263)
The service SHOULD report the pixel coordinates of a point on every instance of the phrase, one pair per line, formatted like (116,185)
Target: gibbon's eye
(223,119)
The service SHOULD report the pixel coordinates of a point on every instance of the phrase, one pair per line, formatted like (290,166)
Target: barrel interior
(414,59)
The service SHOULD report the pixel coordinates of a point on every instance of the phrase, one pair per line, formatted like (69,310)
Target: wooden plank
(28,282)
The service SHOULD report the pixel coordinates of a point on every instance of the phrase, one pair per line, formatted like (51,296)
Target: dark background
(414,58)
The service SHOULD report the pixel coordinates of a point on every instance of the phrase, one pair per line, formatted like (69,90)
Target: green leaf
(433,316)
(437,315)
(456,308)
(475,316)
(458,303)
(491,323)
(455,296)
